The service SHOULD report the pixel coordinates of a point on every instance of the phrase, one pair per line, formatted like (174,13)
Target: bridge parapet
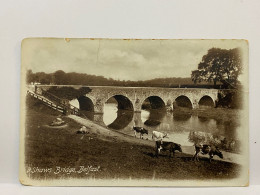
(137,95)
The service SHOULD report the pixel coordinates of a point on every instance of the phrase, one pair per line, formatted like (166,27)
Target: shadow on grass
(165,155)
(182,157)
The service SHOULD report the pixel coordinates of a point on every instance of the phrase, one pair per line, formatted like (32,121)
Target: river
(183,128)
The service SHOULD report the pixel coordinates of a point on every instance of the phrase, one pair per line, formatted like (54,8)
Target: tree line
(72,78)
(219,68)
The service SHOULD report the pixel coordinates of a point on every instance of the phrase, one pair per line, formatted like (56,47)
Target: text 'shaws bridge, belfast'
(132,98)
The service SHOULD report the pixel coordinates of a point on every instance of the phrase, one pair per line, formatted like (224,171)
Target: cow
(140,130)
(171,146)
(206,149)
(159,135)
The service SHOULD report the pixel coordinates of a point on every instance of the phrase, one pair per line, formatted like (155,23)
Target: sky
(119,59)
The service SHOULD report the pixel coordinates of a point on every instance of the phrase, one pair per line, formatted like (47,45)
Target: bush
(68,93)
(230,99)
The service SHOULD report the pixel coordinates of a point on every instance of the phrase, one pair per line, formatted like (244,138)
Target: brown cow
(206,149)
(140,130)
(171,146)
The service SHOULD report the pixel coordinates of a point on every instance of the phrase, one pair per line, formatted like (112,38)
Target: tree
(29,76)
(68,93)
(60,77)
(219,65)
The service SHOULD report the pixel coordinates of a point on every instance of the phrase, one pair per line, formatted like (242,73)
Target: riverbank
(221,114)
(117,155)
(111,135)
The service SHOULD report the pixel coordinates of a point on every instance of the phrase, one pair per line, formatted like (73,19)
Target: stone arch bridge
(132,98)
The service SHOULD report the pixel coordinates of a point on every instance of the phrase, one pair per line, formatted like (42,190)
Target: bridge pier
(195,104)
(98,118)
(137,120)
(98,106)
(137,105)
(169,106)
(132,98)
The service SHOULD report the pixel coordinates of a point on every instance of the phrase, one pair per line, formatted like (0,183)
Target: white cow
(159,135)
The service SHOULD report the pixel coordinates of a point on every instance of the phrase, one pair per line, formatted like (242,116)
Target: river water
(185,129)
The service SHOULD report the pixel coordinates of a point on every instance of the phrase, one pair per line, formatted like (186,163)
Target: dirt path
(110,135)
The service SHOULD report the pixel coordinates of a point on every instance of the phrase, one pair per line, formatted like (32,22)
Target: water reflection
(179,125)
(124,117)
(154,118)
(87,114)
(110,113)
(115,118)
(181,116)
(203,119)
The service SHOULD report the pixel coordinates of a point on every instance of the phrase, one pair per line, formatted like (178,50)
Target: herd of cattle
(172,147)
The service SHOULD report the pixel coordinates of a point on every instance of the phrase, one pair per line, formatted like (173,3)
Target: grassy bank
(48,147)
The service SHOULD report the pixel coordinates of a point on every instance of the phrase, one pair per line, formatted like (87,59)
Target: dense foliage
(68,93)
(219,65)
(72,78)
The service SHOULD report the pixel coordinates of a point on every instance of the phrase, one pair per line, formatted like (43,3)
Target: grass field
(48,147)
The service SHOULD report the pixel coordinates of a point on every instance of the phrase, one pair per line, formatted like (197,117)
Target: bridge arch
(85,103)
(99,94)
(154,118)
(183,101)
(123,102)
(153,102)
(123,113)
(123,119)
(206,101)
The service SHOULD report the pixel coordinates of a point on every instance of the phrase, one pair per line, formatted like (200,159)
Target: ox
(159,135)
(206,149)
(140,130)
(171,146)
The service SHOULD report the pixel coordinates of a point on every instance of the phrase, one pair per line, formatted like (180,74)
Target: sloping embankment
(111,135)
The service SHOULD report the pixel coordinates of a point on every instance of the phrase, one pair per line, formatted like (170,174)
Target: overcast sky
(119,59)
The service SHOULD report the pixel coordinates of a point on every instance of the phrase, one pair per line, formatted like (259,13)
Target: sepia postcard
(131,112)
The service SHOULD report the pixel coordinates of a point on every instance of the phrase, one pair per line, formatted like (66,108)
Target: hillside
(73,78)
